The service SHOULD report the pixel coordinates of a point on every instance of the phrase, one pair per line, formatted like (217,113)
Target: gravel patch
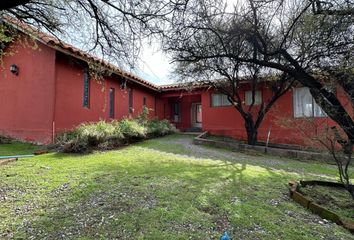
(271,162)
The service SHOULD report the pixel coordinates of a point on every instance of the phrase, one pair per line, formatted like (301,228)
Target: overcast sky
(156,66)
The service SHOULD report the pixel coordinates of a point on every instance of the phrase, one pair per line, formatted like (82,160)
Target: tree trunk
(252,132)
(252,137)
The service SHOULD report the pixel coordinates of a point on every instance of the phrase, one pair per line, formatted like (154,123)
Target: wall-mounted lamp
(14,69)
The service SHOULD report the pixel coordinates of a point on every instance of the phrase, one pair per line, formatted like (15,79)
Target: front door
(196,115)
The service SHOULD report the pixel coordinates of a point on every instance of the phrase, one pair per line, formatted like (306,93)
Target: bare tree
(307,40)
(112,29)
(232,79)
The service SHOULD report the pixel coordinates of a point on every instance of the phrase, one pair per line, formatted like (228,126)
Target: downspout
(54,97)
(268,137)
(155,106)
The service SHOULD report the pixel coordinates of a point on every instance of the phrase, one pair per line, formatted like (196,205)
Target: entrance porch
(184,110)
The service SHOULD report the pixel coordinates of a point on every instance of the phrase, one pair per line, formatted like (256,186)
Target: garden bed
(278,150)
(329,200)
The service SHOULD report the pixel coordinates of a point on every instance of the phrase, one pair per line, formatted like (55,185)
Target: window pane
(257,97)
(216,100)
(86,89)
(248,97)
(303,103)
(130,104)
(224,100)
(176,112)
(199,113)
(318,112)
(111,102)
(219,100)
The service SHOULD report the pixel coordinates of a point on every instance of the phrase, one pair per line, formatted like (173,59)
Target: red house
(46,88)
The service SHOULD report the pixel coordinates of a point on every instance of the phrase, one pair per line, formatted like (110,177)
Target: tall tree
(112,29)
(307,40)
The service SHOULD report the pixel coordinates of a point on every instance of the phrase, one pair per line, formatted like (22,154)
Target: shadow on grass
(145,192)
(126,198)
(183,145)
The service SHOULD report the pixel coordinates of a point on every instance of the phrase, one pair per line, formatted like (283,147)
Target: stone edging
(6,161)
(289,153)
(315,208)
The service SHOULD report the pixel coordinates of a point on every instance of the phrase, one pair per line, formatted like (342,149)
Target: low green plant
(108,135)
(5,140)
(156,128)
(132,130)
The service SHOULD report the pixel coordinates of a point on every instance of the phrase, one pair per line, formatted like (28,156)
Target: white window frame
(222,98)
(302,97)
(257,97)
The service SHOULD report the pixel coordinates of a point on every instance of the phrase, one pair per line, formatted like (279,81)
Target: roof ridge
(55,42)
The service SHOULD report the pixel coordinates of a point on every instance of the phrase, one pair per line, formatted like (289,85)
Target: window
(219,100)
(198,117)
(86,89)
(257,97)
(130,104)
(123,83)
(176,112)
(305,105)
(144,101)
(111,102)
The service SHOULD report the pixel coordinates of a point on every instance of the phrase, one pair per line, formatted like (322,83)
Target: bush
(97,133)
(156,128)
(105,136)
(76,145)
(132,130)
(5,140)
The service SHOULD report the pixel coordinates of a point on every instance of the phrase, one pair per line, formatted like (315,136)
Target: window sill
(309,117)
(221,106)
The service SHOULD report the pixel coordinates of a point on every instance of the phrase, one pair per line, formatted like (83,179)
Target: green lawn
(164,188)
(17,148)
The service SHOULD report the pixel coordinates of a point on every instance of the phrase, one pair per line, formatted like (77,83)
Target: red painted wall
(49,92)
(46,97)
(26,100)
(69,110)
(280,121)
(138,99)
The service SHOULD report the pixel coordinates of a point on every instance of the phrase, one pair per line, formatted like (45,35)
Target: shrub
(96,133)
(5,140)
(132,130)
(108,135)
(156,128)
(77,145)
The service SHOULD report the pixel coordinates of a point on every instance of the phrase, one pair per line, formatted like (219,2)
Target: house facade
(46,87)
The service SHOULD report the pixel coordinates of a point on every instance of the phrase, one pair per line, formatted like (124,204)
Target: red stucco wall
(280,121)
(26,100)
(69,110)
(47,98)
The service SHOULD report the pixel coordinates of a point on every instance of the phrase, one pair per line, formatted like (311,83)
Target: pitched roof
(68,49)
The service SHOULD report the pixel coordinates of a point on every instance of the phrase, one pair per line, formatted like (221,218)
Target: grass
(17,148)
(159,189)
